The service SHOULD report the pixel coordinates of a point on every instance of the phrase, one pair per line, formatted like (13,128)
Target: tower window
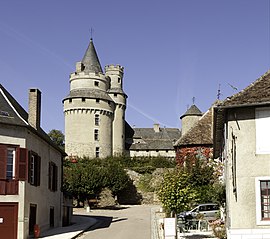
(97,120)
(115,95)
(96,136)
(70,100)
(83,99)
(96,83)
(97,100)
(119,80)
(97,152)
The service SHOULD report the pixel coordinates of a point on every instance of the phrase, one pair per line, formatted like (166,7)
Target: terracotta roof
(200,133)
(256,93)
(147,138)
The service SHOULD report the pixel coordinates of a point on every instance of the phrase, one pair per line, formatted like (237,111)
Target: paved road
(130,222)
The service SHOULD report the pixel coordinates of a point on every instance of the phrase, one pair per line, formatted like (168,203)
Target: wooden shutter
(3,161)
(55,177)
(38,161)
(22,164)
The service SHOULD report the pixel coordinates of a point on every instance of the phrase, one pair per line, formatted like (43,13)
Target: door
(8,220)
(32,218)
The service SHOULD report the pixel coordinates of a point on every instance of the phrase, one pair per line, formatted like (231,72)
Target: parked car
(209,211)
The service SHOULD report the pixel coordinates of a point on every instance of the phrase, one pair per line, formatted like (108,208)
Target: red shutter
(3,161)
(22,164)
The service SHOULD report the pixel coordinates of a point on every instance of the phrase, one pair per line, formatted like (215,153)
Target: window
(97,100)
(262,116)
(119,80)
(97,152)
(96,134)
(83,99)
(96,119)
(10,171)
(265,199)
(13,162)
(115,95)
(52,176)
(262,200)
(70,100)
(34,169)
(96,83)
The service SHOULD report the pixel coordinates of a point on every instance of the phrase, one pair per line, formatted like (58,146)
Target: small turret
(115,73)
(192,115)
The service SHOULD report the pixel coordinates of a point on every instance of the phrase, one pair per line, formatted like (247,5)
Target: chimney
(156,128)
(34,108)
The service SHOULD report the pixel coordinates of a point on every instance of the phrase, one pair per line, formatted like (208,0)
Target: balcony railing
(8,187)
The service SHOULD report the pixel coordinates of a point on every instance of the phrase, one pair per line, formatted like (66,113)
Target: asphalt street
(127,222)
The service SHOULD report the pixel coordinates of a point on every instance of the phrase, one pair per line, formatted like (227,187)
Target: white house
(30,170)
(242,141)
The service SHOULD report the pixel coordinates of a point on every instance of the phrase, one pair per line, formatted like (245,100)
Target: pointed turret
(90,60)
(192,115)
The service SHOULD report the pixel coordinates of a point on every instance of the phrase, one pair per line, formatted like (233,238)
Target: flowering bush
(219,228)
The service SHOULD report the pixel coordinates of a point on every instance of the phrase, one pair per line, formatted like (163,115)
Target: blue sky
(172,51)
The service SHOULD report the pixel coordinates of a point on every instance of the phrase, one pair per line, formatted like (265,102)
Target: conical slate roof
(90,59)
(193,110)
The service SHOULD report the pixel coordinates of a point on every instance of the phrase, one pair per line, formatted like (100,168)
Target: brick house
(30,170)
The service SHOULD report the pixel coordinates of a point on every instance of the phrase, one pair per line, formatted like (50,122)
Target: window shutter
(56,177)
(3,161)
(38,171)
(29,165)
(22,164)
(50,176)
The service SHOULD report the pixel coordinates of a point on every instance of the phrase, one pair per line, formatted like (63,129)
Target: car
(209,211)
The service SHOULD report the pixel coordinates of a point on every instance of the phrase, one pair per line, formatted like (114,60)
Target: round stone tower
(89,110)
(192,115)
(115,75)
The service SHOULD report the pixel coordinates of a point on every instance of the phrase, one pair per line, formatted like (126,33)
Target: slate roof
(88,93)
(12,113)
(150,140)
(200,133)
(257,93)
(90,59)
(192,110)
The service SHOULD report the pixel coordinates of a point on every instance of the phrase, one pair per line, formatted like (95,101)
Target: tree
(57,137)
(176,193)
(196,182)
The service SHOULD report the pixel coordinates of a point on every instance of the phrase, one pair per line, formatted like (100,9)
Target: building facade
(153,142)
(95,109)
(241,140)
(30,170)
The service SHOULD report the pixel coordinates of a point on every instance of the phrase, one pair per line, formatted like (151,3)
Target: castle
(94,110)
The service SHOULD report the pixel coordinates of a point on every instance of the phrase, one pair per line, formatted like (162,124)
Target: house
(30,170)
(196,139)
(95,109)
(241,140)
(153,142)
